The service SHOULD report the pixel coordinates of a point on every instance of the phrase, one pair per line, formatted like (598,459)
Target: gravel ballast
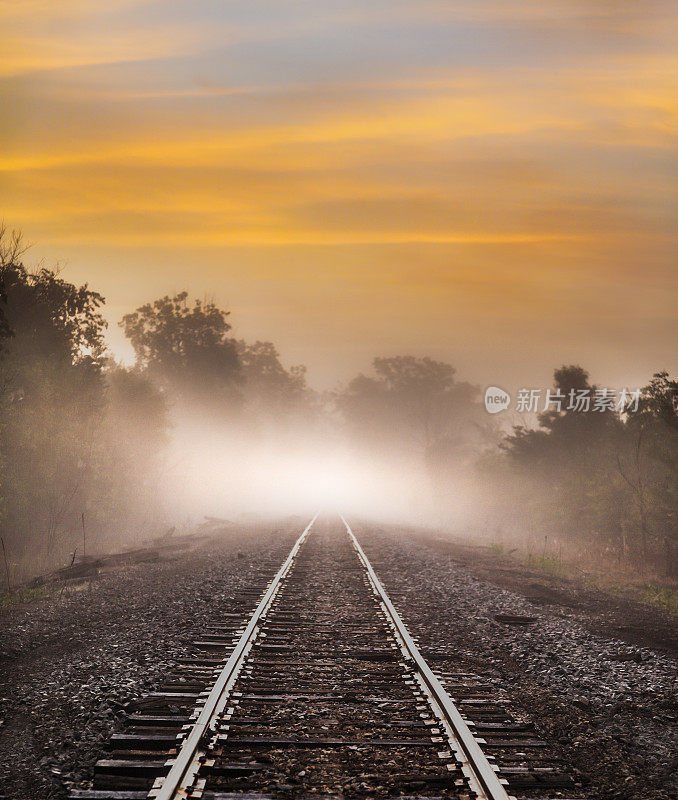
(606,706)
(70,663)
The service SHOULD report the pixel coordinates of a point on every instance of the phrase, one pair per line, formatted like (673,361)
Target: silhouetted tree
(413,403)
(185,348)
(76,434)
(647,460)
(51,391)
(271,391)
(604,476)
(11,250)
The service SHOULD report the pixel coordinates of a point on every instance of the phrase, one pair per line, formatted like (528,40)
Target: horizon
(320,379)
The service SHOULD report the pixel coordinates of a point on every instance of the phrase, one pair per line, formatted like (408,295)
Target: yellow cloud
(529,187)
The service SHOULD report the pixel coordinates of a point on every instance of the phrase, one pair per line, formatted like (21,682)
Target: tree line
(83,439)
(80,437)
(605,481)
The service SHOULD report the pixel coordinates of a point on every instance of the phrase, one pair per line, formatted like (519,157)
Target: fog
(96,456)
(228,472)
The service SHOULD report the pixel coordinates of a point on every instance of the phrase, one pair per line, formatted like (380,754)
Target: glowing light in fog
(232,472)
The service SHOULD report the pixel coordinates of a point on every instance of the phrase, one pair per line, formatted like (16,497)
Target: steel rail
(480,773)
(179,781)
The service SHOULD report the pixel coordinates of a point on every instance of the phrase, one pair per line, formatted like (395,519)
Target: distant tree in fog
(410,402)
(565,434)
(185,348)
(133,434)
(80,434)
(567,459)
(268,388)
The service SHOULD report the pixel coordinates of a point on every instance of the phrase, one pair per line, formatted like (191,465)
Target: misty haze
(204,425)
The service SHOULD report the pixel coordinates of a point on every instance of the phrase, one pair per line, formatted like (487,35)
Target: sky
(493,184)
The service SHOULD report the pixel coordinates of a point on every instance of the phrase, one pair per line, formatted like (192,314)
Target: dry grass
(600,571)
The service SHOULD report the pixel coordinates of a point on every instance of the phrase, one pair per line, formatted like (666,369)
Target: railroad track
(319,691)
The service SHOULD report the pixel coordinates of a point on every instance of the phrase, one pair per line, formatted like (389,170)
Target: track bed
(320,691)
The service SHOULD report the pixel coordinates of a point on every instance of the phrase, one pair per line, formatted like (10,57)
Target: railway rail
(320,691)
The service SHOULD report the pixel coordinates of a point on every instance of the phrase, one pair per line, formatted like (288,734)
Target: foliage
(663,597)
(50,391)
(185,349)
(546,562)
(84,439)
(608,478)
(272,394)
(411,402)
(133,435)
(66,416)
(23,595)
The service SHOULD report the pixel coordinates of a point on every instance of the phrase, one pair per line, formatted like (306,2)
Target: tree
(79,435)
(271,391)
(185,349)
(567,461)
(51,391)
(11,251)
(567,435)
(610,477)
(130,444)
(647,460)
(413,402)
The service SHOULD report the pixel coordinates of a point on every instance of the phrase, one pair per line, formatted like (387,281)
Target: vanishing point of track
(320,691)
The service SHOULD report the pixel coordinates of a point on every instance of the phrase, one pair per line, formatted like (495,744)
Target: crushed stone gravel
(70,663)
(608,707)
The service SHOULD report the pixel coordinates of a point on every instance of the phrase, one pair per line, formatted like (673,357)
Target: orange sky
(486,182)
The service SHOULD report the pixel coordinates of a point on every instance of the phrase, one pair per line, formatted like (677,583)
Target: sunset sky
(491,183)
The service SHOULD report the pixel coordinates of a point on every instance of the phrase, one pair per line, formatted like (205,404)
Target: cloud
(491,160)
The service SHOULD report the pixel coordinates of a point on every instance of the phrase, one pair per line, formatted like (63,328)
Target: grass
(657,595)
(664,597)
(549,563)
(24,595)
(651,590)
